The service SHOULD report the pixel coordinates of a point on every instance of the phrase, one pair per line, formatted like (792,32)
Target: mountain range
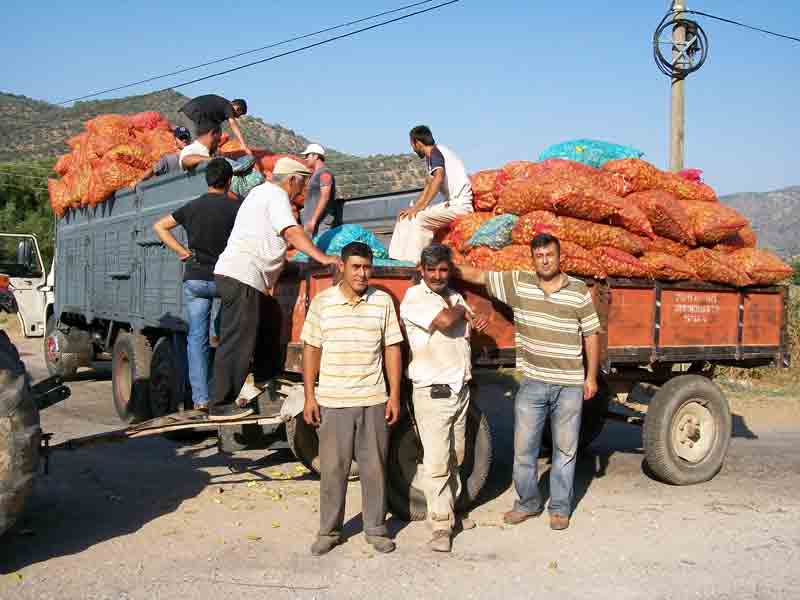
(32,129)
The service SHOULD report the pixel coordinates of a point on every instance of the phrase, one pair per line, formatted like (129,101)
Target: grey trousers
(345,433)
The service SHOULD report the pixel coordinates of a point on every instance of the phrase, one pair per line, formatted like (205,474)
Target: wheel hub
(693,432)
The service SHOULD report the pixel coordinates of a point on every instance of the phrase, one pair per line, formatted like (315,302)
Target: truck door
(21,260)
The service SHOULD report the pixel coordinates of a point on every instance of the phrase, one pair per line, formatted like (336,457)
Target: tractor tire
(130,377)
(20,436)
(687,430)
(65,352)
(405,496)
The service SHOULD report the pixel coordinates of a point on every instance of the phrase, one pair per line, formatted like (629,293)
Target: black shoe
(228,412)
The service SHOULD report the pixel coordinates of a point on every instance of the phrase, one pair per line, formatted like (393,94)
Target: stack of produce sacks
(115,151)
(624,219)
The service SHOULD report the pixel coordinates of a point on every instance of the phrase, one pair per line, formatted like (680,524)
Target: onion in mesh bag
(712,222)
(618,263)
(578,261)
(744,238)
(762,266)
(666,246)
(717,267)
(666,215)
(667,266)
(534,223)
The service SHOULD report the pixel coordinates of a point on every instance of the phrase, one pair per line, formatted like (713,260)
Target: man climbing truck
(118,297)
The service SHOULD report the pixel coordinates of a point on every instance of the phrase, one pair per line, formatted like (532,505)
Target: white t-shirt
(456,188)
(436,357)
(196,148)
(256,252)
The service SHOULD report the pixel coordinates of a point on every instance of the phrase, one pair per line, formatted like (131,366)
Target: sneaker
(228,412)
(558,522)
(515,517)
(381,543)
(324,544)
(441,541)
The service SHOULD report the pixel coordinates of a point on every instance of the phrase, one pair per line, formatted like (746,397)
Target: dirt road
(156,519)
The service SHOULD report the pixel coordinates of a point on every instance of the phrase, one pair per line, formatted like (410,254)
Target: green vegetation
(796,267)
(24,203)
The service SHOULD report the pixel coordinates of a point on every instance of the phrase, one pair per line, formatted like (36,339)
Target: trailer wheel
(405,495)
(168,389)
(20,436)
(687,430)
(130,377)
(64,353)
(304,443)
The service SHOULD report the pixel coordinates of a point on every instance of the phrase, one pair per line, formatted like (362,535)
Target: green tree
(796,267)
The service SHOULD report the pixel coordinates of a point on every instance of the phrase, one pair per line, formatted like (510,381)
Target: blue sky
(496,81)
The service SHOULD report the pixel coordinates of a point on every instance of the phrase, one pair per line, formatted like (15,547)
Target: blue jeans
(534,402)
(198,297)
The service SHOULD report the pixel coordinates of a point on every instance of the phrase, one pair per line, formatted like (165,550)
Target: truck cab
(21,260)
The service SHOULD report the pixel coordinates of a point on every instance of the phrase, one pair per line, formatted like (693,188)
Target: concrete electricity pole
(677,134)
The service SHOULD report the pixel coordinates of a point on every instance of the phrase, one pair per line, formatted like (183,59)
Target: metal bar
(740,325)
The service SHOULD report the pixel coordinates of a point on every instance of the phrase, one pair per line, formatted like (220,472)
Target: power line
(751,27)
(246,52)
(314,45)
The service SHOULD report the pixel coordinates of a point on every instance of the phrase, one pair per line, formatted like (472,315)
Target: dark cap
(183,134)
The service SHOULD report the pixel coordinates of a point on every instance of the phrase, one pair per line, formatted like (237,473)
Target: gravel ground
(152,518)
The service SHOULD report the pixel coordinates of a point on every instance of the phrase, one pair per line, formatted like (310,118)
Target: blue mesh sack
(495,233)
(594,153)
(332,241)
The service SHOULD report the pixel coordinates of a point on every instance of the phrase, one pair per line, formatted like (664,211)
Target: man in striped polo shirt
(350,332)
(555,321)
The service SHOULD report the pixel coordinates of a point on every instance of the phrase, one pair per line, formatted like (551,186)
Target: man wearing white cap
(321,210)
(246,271)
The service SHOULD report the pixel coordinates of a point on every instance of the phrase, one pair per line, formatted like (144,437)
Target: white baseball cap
(314,149)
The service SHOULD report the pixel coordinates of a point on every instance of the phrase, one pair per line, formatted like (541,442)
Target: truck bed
(643,321)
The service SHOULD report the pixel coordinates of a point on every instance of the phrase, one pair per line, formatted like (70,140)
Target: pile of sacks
(624,219)
(114,151)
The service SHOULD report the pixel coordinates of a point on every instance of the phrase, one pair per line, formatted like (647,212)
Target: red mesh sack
(132,153)
(667,267)
(683,188)
(666,246)
(63,164)
(483,182)
(231,146)
(108,176)
(577,261)
(762,266)
(559,168)
(158,143)
(581,200)
(712,222)
(744,238)
(617,263)
(591,235)
(148,120)
(481,258)
(77,184)
(76,140)
(691,174)
(717,267)
(666,216)
(515,257)
(107,131)
(57,190)
(637,174)
(534,223)
(522,196)
(519,169)
(630,217)
(484,202)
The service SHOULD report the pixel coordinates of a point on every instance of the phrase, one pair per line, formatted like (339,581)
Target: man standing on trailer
(211,111)
(446,174)
(555,322)
(350,333)
(245,273)
(322,210)
(437,322)
(208,221)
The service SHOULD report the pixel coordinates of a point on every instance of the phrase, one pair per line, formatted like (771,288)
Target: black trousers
(250,331)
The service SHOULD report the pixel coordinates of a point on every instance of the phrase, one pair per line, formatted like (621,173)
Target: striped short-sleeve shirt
(352,336)
(549,327)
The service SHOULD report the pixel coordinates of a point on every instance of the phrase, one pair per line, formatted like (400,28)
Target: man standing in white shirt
(202,149)
(446,174)
(245,273)
(437,323)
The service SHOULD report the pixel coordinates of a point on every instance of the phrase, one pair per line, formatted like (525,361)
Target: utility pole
(677,132)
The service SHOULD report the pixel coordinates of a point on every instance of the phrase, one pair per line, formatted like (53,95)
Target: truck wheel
(168,389)
(59,356)
(687,430)
(304,442)
(405,495)
(130,376)
(20,436)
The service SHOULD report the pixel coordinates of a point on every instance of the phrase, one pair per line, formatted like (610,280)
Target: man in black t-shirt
(210,112)
(208,221)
